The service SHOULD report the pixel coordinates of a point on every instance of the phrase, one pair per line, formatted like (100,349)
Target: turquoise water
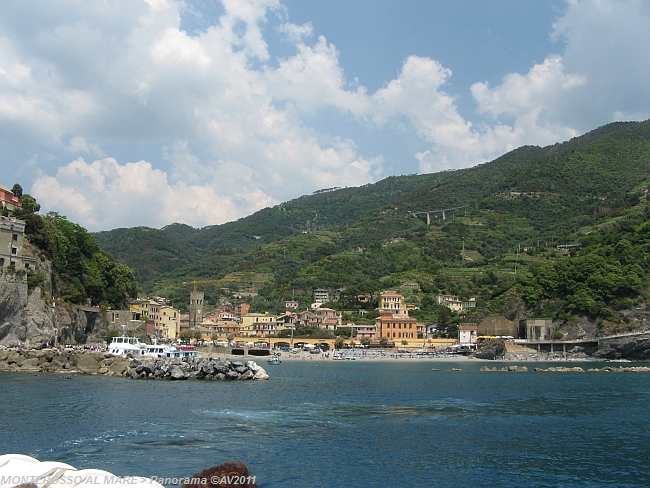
(357,424)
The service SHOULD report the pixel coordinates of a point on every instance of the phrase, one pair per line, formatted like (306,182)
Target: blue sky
(133,112)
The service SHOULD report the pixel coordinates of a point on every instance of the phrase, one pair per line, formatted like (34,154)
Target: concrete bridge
(443,212)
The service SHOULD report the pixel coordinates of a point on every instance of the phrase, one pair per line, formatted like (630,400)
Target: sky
(119,113)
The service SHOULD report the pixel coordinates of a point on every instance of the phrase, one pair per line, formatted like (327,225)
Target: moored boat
(123,345)
(274,360)
(180,351)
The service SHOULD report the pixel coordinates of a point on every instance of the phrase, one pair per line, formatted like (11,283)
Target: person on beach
(231,474)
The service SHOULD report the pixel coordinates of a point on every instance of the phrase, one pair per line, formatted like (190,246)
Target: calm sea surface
(357,424)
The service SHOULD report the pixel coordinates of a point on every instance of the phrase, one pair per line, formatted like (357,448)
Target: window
(13,250)
(14,237)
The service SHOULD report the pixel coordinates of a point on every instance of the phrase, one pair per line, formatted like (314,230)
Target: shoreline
(305,356)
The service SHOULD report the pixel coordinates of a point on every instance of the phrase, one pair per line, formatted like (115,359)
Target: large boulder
(493,349)
(87,363)
(178,373)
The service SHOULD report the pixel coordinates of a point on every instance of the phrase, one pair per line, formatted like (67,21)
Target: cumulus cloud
(105,194)
(232,124)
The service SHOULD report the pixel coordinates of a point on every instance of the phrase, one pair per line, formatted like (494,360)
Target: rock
(30,365)
(222,367)
(177,373)
(220,377)
(13,357)
(252,365)
(261,375)
(522,369)
(634,347)
(87,363)
(247,375)
(118,367)
(232,375)
(492,350)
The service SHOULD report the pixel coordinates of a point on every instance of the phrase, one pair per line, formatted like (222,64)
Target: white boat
(274,360)
(180,351)
(155,350)
(123,345)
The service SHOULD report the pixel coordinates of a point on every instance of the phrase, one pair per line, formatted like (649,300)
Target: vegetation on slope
(82,270)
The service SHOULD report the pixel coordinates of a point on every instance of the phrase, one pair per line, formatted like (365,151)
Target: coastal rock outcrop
(493,349)
(30,320)
(634,347)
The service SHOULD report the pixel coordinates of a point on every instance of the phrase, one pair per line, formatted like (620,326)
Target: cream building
(170,322)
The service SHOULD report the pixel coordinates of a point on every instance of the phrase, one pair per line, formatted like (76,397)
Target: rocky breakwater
(195,368)
(510,368)
(62,361)
(606,369)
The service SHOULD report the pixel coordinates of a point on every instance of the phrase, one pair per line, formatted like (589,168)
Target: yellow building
(257,324)
(169,325)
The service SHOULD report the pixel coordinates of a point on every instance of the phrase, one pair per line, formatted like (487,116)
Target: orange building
(394,322)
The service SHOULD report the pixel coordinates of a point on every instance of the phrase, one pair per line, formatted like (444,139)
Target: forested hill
(602,164)
(500,245)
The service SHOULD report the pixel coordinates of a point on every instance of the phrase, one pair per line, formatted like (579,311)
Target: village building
(455,304)
(8,200)
(12,236)
(240,308)
(291,304)
(364,331)
(169,323)
(467,333)
(321,295)
(321,318)
(258,324)
(394,322)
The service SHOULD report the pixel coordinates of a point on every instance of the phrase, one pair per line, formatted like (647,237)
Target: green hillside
(500,245)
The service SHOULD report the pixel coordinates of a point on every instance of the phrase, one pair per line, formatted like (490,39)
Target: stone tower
(196,308)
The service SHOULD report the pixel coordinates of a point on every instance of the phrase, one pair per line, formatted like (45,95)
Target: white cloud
(233,126)
(105,194)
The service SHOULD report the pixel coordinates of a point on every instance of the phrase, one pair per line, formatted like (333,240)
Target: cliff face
(26,317)
(633,348)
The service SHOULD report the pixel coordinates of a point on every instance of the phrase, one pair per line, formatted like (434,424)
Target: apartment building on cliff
(8,200)
(12,236)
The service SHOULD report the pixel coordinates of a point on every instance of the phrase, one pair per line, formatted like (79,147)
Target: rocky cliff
(32,318)
(632,348)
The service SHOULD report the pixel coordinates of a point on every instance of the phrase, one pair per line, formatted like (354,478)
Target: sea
(391,423)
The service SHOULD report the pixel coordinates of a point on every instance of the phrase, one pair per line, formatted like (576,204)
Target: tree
(338,343)
(383,341)
(365,341)
(30,206)
(17,190)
